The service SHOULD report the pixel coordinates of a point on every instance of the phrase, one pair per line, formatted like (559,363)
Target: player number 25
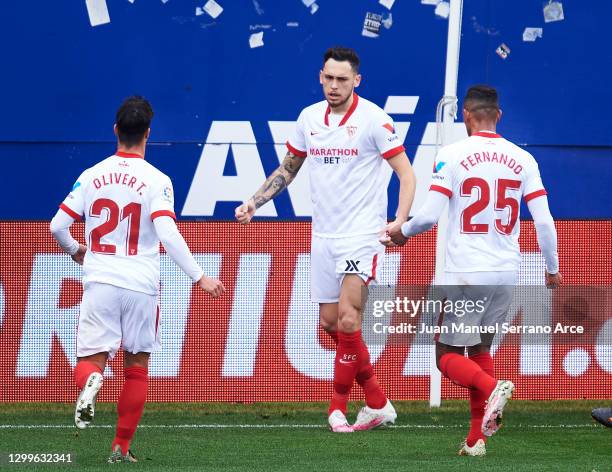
(502,201)
(131,211)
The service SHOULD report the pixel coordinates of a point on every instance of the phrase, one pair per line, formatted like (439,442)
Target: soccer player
(483,177)
(350,143)
(129,208)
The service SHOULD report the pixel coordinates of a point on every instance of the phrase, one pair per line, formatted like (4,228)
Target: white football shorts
(111,317)
(490,293)
(333,258)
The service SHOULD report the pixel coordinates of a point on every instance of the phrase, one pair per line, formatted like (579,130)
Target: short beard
(342,103)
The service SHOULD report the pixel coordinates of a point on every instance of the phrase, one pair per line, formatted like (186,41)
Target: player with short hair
(350,143)
(483,177)
(128,206)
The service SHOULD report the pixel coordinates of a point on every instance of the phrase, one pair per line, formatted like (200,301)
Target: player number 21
(131,211)
(502,201)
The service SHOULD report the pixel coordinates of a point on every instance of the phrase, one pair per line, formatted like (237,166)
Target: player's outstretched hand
(213,286)
(245,212)
(553,280)
(393,235)
(79,256)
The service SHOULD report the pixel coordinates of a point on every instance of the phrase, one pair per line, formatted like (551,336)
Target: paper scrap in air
(371,25)
(553,11)
(256,40)
(531,34)
(213,8)
(442,10)
(387,3)
(503,51)
(98,12)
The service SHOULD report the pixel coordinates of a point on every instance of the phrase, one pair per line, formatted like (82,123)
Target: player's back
(120,197)
(485,177)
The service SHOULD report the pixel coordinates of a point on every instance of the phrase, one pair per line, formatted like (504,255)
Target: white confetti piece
(430,2)
(553,11)
(531,34)
(213,8)
(199,11)
(442,10)
(293,24)
(256,40)
(307,3)
(313,8)
(98,12)
(387,3)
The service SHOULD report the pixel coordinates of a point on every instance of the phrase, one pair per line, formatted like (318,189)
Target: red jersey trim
(393,152)
(296,151)
(373,276)
(158,213)
(486,134)
(348,113)
(443,190)
(70,212)
(128,155)
(536,194)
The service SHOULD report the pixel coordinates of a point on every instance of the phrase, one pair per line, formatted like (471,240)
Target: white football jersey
(120,197)
(348,173)
(485,177)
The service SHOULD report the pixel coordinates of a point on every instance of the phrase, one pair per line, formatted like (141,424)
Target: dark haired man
(129,208)
(483,177)
(349,141)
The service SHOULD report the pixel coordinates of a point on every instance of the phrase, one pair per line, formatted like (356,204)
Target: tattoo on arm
(279,180)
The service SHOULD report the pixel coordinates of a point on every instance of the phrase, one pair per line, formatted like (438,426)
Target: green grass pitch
(537,436)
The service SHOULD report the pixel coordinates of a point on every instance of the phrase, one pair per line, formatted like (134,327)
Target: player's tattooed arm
(278,180)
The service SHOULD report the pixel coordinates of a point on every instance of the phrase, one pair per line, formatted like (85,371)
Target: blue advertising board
(224,109)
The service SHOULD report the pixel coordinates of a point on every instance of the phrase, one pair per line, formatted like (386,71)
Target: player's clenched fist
(213,286)
(79,256)
(245,212)
(553,280)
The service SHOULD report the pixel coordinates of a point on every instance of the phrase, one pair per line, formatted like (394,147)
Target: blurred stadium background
(226,92)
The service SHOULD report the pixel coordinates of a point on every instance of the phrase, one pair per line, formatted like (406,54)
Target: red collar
(486,134)
(348,113)
(128,154)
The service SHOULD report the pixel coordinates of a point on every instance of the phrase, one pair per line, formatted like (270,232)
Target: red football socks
(478,400)
(82,371)
(347,362)
(465,372)
(130,406)
(374,396)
